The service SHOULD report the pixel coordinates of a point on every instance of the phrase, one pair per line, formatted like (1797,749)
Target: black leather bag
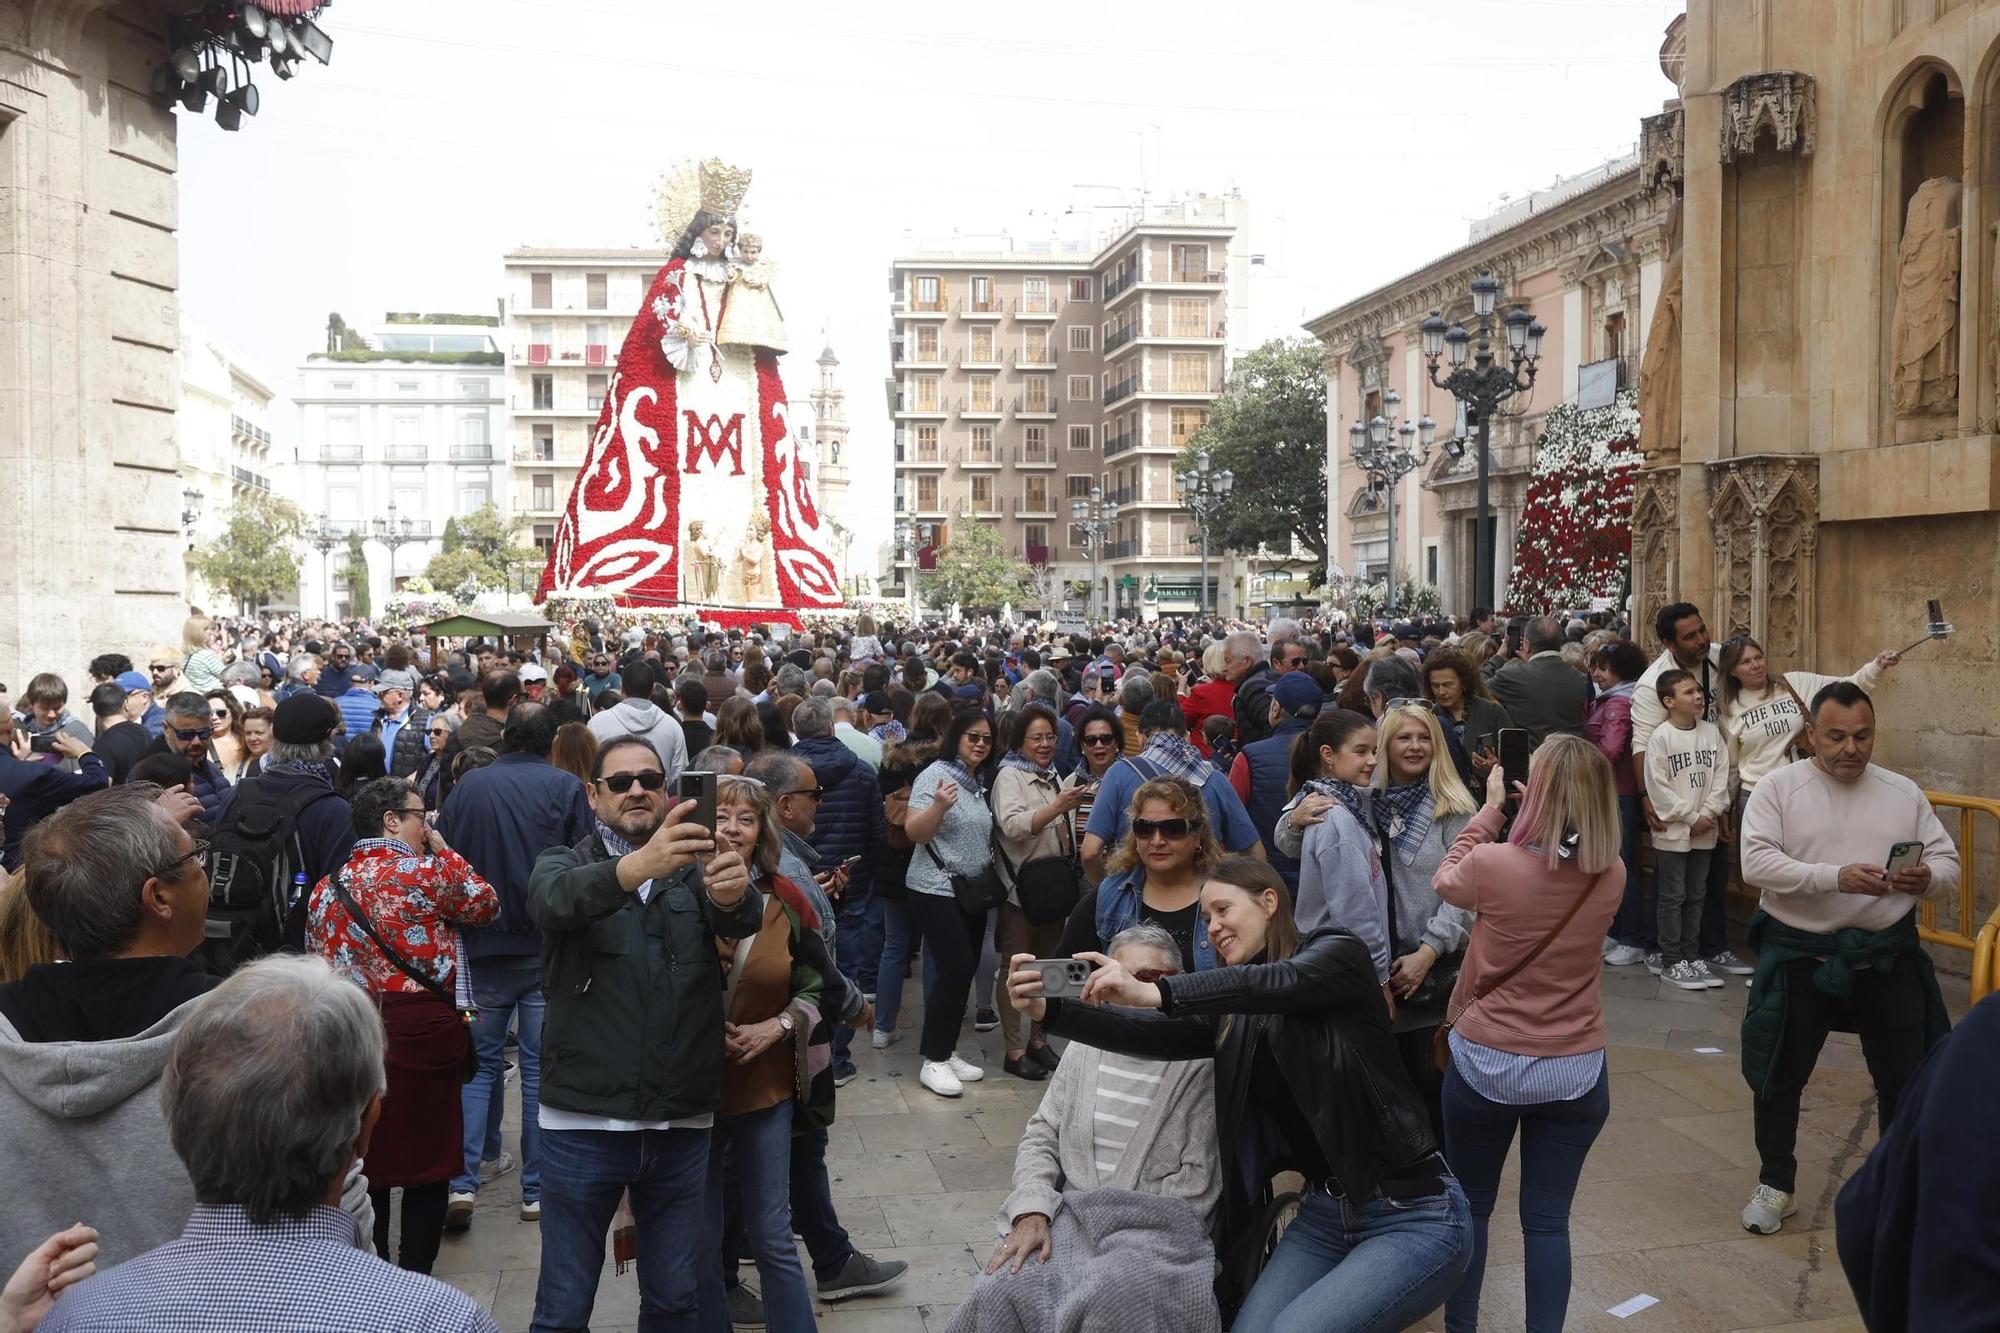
(977,893)
(1048,888)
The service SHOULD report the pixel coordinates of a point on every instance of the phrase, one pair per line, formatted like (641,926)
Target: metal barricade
(1957,930)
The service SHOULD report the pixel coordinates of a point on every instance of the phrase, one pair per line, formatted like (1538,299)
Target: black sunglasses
(1100,740)
(1173,829)
(620,783)
(194,733)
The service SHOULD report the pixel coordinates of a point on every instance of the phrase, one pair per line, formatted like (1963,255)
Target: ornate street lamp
(1480,389)
(395,533)
(323,536)
(1386,451)
(1094,520)
(910,539)
(1202,494)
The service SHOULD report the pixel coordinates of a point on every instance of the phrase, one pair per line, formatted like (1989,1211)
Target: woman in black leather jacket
(1307,1079)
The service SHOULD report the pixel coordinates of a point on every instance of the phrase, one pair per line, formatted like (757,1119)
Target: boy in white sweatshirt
(1687,780)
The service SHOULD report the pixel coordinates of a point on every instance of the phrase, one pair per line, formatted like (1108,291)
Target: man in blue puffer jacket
(848,823)
(358,706)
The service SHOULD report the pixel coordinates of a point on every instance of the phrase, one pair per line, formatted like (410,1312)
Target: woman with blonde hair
(1526,1019)
(201,665)
(1214,697)
(1154,874)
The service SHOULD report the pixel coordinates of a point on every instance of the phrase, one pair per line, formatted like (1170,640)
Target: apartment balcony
(909,409)
(1207,333)
(1042,360)
(992,456)
(1037,409)
(1032,455)
(1121,550)
(986,507)
(1116,287)
(1037,310)
(1115,445)
(921,309)
(472,453)
(1203,389)
(1035,506)
(926,458)
(534,455)
(243,476)
(991,308)
(1207,277)
(983,358)
(1119,392)
(1118,338)
(245,430)
(986,409)
(407,453)
(561,405)
(1034,555)
(919,360)
(1124,495)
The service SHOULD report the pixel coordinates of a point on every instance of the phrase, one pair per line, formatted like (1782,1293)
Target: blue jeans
(1343,1268)
(857,945)
(812,1205)
(500,987)
(1555,1138)
(666,1170)
(899,938)
(758,1144)
(1633,925)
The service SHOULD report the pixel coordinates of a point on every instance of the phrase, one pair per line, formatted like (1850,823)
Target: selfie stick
(1939,630)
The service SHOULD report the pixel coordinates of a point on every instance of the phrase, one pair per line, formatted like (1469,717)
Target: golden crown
(712,187)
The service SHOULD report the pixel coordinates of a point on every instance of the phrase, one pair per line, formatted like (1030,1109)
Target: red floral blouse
(416,904)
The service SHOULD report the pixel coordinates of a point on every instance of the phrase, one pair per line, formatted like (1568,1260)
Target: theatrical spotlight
(316,43)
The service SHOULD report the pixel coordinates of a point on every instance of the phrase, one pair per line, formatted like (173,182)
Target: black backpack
(254,859)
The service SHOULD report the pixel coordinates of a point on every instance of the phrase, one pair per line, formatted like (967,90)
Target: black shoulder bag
(360,918)
(1047,887)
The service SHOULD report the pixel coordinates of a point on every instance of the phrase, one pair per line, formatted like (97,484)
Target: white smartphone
(1904,856)
(1062,978)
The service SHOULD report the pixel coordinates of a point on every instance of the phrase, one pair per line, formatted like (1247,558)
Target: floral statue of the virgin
(694,435)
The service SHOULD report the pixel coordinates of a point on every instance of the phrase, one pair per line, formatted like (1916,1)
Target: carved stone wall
(1663,150)
(1780,100)
(1656,545)
(1764,521)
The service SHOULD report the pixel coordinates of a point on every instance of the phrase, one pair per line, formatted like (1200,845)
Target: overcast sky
(1364,135)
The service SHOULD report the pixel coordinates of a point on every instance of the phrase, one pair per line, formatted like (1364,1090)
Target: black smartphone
(1935,610)
(698,786)
(43,742)
(1903,856)
(1514,751)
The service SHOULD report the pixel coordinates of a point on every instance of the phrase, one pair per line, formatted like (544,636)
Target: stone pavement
(920,1178)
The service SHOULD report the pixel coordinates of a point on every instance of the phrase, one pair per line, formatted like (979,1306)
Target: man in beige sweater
(1835,934)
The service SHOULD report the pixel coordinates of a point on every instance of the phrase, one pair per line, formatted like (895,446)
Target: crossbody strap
(1527,958)
(360,918)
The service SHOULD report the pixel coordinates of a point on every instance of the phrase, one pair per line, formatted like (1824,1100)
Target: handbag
(360,918)
(977,893)
(1434,992)
(1047,887)
(1441,1039)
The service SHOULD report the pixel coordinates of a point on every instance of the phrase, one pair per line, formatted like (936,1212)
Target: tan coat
(1017,796)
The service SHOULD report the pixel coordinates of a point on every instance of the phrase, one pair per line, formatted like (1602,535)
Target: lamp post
(1387,451)
(395,533)
(911,538)
(1094,519)
(1481,388)
(191,500)
(1202,494)
(323,536)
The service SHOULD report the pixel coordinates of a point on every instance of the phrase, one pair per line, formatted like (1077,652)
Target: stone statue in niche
(1660,372)
(1924,347)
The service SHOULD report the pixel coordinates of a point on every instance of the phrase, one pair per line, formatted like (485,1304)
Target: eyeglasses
(1171,829)
(194,853)
(1095,741)
(972,738)
(620,783)
(417,813)
(810,793)
(440,731)
(194,733)
(161,668)
(1148,975)
(1424,704)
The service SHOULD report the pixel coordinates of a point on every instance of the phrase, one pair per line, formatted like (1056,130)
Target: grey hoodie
(641,717)
(84,1140)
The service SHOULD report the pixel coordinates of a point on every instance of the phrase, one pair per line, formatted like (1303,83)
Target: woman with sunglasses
(226,716)
(774,994)
(1155,874)
(1034,813)
(1099,743)
(389,919)
(1307,1079)
(429,779)
(951,828)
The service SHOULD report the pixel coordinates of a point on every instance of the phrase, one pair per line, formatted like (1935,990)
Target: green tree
(974,570)
(481,547)
(1269,429)
(359,604)
(257,557)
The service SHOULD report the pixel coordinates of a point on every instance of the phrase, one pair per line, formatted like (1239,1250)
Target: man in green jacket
(632,1040)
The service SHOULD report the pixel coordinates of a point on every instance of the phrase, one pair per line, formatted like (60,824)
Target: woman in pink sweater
(1529,1052)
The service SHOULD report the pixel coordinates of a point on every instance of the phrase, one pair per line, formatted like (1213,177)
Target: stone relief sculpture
(1764,526)
(1660,372)
(1924,346)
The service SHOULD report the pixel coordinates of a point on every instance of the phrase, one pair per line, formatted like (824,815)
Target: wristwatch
(785,1022)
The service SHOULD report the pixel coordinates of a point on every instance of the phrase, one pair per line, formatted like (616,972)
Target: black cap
(305,719)
(875,701)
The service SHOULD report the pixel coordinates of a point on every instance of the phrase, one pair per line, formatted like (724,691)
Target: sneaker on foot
(937,1076)
(506,1071)
(458,1210)
(531,1210)
(963,1069)
(844,1074)
(861,1275)
(1624,955)
(882,1041)
(1682,974)
(1727,961)
(985,1020)
(1767,1210)
(1708,978)
(746,1307)
(498,1167)
(1656,963)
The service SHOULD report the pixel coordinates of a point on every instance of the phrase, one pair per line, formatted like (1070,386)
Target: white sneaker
(937,1076)
(1708,978)
(1682,974)
(1624,955)
(1727,961)
(498,1167)
(1608,945)
(458,1210)
(1656,963)
(1767,1210)
(882,1041)
(966,1071)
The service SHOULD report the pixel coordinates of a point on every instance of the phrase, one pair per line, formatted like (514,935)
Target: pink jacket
(1554,1006)
(1609,727)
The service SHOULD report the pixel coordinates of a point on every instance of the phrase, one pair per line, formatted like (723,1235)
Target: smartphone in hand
(1515,748)
(1062,978)
(1903,856)
(698,786)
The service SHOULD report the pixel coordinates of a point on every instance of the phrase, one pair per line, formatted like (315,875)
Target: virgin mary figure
(694,429)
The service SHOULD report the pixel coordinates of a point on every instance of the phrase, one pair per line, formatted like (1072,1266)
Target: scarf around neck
(1177,757)
(1350,797)
(1403,815)
(1015,759)
(959,773)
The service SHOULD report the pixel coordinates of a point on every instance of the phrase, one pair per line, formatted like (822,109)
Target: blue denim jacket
(1118,899)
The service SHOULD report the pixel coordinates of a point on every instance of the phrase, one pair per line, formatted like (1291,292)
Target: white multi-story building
(567,311)
(222,427)
(395,439)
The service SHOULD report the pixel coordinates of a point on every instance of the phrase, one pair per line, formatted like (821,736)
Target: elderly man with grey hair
(1542,694)
(1135,691)
(271,1089)
(1245,665)
(1390,678)
(122,888)
(845,714)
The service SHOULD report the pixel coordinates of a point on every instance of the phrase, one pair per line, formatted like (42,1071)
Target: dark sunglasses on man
(193,733)
(620,783)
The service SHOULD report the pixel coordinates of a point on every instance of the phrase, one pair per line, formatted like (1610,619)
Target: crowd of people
(283,923)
